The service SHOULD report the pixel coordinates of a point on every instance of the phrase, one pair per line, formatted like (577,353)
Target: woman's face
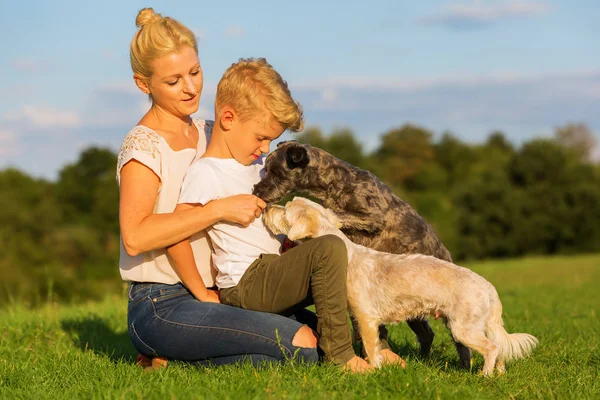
(176,82)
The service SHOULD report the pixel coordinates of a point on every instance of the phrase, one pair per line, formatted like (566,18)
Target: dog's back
(371,214)
(419,285)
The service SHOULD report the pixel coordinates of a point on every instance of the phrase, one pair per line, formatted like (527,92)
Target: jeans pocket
(133,303)
(139,344)
(169,293)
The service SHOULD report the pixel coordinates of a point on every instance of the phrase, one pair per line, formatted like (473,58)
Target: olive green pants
(314,271)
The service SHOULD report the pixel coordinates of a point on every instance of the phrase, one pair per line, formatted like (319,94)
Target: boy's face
(248,140)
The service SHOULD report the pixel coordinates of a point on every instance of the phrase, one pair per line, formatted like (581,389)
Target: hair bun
(146,16)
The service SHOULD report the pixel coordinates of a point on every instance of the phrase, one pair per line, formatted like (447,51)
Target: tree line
(487,200)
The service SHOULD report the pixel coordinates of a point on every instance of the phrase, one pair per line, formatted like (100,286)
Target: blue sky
(469,67)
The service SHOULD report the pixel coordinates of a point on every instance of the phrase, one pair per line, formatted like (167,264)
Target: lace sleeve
(143,146)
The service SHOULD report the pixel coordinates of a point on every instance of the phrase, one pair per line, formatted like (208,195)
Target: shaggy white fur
(389,288)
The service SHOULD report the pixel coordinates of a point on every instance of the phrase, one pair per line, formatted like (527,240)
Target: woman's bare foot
(357,365)
(151,363)
(143,361)
(389,357)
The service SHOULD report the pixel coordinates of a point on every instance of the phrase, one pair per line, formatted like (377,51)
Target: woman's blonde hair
(251,86)
(157,36)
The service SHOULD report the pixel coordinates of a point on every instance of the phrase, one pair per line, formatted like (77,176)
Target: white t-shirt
(235,247)
(149,148)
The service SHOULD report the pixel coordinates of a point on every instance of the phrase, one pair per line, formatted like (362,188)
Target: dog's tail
(510,345)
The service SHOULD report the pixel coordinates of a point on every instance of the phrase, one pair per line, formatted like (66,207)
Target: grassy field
(84,352)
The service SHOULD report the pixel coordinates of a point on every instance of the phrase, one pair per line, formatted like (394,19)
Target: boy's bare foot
(357,365)
(389,357)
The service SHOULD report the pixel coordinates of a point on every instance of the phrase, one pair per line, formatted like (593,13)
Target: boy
(253,107)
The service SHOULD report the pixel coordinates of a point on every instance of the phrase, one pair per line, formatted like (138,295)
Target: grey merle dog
(370,213)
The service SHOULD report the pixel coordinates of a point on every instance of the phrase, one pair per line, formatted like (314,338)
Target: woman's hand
(241,209)
(212,296)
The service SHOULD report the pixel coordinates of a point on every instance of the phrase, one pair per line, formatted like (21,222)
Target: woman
(165,320)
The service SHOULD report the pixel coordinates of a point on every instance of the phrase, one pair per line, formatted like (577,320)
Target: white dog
(389,288)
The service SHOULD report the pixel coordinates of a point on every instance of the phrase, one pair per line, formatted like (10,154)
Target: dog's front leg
(368,329)
(388,355)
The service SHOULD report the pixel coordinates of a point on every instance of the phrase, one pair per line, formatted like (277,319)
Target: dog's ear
(296,157)
(303,227)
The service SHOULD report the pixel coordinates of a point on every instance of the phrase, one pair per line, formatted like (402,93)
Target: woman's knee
(305,337)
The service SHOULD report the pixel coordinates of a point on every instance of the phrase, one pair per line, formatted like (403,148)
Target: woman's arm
(185,266)
(142,230)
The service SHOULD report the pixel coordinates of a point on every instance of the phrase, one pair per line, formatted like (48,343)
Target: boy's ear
(227,117)
(141,83)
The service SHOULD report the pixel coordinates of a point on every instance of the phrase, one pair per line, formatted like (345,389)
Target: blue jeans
(167,321)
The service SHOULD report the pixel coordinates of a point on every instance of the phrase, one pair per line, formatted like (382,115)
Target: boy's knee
(334,249)
(333,245)
(305,337)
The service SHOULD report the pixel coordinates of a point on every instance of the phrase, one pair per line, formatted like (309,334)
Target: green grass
(84,352)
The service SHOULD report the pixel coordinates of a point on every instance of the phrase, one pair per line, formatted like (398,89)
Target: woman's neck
(159,119)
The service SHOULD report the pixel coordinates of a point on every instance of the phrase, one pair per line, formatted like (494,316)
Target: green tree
(88,191)
(455,157)
(403,153)
(577,137)
(344,146)
(313,136)
(560,206)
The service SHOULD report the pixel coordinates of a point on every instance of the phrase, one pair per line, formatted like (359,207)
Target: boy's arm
(185,267)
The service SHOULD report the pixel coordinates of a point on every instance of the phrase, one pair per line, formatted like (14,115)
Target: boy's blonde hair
(251,86)
(157,36)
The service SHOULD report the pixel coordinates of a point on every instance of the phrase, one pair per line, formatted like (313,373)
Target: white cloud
(329,95)
(199,33)
(8,143)
(204,113)
(144,106)
(108,54)
(234,31)
(6,136)
(23,64)
(387,83)
(479,14)
(521,105)
(44,116)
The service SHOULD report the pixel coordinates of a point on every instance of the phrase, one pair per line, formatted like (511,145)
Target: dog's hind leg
(475,339)
(500,366)
(424,334)
(464,355)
